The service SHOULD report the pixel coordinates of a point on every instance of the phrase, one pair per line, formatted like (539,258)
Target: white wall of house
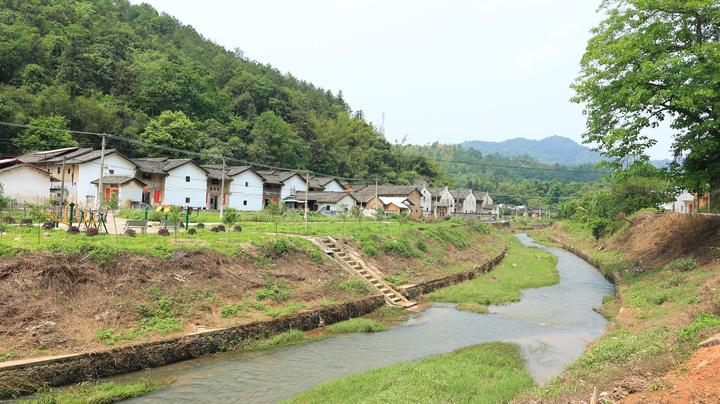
(292,185)
(447,198)
(246,192)
(426,200)
(334,186)
(470,204)
(186,186)
(130,192)
(343,205)
(25,184)
(90,171)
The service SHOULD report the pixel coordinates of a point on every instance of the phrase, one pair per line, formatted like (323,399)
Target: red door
(156,197)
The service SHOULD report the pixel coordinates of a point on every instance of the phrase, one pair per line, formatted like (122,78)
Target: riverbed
(553,325)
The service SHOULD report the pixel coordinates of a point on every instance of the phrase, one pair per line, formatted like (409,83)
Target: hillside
(517,180)
(109,66)
(551,150)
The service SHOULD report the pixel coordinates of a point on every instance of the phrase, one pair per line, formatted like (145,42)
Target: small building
(25,182)
(186,184)
(327,184)
(465,201)
(150,172)
(330,203)
(390,204)
(365,193)
(437,202)
(685,202)
(282,186)
(128,190)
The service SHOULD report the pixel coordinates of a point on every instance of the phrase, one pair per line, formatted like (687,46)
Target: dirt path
(695,381)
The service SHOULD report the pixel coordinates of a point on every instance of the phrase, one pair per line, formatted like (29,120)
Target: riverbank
(168,300)
(667,273)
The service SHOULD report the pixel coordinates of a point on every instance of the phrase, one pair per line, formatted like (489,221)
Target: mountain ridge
(549,150)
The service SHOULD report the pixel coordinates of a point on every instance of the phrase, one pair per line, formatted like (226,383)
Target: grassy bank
(666,303)
(487,373)
(94,393)
(523,268)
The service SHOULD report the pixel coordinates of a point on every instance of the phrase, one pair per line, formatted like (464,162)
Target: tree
(276,143)
(33,139)
(650,61)
(170,129)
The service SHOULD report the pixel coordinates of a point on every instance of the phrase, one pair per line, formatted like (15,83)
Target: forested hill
(109,66)
(551,150)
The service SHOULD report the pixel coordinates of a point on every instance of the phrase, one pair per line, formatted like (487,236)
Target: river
(553,325)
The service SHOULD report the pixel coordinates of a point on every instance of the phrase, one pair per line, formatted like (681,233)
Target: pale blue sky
(443,71)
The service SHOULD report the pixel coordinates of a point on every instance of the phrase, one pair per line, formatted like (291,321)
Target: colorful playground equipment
(96,218)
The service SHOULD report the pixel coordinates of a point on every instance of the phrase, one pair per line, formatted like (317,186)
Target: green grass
(355,325)
(292,337)
(523,268)
(486,373)
(473,308)
(95,393)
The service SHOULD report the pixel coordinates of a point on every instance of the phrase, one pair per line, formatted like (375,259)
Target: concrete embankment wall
(29,375)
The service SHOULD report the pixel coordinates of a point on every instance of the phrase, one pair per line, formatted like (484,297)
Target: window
(246,183)
(187,200)
(146,176)
(214,181)
(111,171)
(58,170)
(327,208)
(244,203)
(69,170)
(187,178)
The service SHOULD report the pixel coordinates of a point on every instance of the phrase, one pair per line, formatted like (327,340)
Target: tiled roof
(460,193)
(321,182)
(276,177)
(89,156)
(39,156)
(117,180)
(151,165)
(436,191)
(215,171)
(324,197)
(367,192)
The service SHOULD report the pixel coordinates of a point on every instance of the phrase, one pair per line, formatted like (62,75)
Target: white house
(129,190)
(246,189)
(25,182)
(465,201)
(330,202)
(327,184)
(185,184)
(683,203)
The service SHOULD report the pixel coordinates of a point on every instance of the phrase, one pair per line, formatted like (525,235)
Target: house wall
(295,183)
(179,192)
(246,192)
(25,184)
(153,183)
(129,193)
(90,171)
(343,205)
(447,197)
(470,204)
(426,200)
(415,197)
(334,186)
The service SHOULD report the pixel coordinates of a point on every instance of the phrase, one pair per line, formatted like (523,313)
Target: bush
(681,264)
(218,229)
(9,220)
(354,286)
(48,225)
(200,225)
(599,227)
(274,292)
(398,247)
(26,222)
(279,248)
(91,231)
(237,229)
(192,232)
(230,216)
(163,232)
(73,230)
(130,232)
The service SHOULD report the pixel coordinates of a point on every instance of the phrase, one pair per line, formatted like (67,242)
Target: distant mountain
(551,150)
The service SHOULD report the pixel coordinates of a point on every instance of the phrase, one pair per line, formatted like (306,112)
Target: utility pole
(101,190)
(307,187)
(62,187)
(222,189)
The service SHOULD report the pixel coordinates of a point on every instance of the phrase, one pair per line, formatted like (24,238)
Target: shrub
(681,264)
(217,229)
(398,247)
(230,310)
(107,336)
(274,292)
(9,220)
(26,222)
(91,231)
(48,225)
(703,322)
(200,225)
(163,232)
(230,216)
(279,247)
(73,230)
(192,232)
(599,227)
(354,286)
(237,229)
(130,232)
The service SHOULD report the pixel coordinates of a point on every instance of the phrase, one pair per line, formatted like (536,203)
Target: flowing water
(553,325)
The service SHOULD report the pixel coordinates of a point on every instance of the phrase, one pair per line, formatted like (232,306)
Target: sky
(446,71)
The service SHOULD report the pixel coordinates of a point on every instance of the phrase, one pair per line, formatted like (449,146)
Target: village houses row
(138,182)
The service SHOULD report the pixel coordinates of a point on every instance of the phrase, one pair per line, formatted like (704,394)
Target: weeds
(274,292)
(681,264)
(702,322)
(355,325)
(354,286)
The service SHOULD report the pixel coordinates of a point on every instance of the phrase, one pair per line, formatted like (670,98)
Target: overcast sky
(445,71)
